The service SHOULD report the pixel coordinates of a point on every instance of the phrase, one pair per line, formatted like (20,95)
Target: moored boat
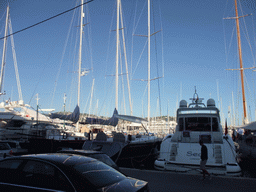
(134,151)
(181,151)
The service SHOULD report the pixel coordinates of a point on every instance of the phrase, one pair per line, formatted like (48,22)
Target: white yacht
(181,151)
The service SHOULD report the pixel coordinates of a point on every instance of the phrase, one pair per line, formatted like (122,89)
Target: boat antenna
(196,98)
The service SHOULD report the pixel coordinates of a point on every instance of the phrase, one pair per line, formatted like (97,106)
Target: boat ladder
(218,154)
(173,152)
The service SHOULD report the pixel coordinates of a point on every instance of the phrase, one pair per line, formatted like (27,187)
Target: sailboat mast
(4,50)
(80,58)
(117,50)
(80,53)
(149,62)
(241,61)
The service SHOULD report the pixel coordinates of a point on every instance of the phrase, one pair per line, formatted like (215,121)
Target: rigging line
(139,17)
(3,27)
(225,44)
(125,61)
(232,36)
(135,11)
(74,61)
(225,41)
(105,98)
(146,87)
(248,39)
(61,62)
(254,32)
(46,20)
(87,101)
(158,81)
(139,58)
(122,77)
(249,90)
(162,38)
(42,72)
(4,14)
(89,30)
(15,62)
(107,58)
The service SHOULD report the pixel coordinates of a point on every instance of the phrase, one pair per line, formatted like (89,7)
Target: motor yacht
(181,151)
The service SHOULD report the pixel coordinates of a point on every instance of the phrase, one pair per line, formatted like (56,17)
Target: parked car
(63,172)
(94,154)
(5,150)
(15,147)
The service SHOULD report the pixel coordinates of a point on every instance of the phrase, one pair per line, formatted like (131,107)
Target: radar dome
(210,103)
(183,103)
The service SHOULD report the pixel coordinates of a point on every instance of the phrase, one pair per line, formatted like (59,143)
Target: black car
(63,172)
(94,154)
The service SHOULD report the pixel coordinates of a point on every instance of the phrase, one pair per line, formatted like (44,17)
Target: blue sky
(194,48)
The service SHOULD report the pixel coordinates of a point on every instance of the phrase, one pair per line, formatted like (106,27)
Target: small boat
(134,151)
(181,151)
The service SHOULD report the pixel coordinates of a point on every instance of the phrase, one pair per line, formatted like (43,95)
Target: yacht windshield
(198,124)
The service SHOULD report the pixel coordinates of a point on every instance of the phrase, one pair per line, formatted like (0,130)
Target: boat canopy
(251,126)
(72,117)
(113,121)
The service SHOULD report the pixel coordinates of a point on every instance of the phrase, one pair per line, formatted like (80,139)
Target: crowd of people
(243,134)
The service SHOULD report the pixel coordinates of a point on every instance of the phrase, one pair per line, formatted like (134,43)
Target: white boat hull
(185,157)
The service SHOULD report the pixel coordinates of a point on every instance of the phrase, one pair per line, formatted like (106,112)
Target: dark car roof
(80,151)
(58,158)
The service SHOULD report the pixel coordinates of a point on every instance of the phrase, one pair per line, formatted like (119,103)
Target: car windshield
(99,174)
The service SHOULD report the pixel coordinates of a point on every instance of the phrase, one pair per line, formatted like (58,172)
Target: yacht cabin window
(198,124)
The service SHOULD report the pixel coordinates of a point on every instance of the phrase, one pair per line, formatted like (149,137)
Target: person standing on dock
(204,157)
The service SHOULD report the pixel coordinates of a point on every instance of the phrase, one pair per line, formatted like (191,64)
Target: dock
(163,181)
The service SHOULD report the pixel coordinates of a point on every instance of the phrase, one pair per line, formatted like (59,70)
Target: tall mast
(245,119)
(80,53)
(241,62)
(149,62)
(4,50)
(117,50)
(80,57)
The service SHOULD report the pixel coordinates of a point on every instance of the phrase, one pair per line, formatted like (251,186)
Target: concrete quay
(163,181)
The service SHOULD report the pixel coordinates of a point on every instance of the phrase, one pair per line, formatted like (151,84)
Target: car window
(44,175)
(9,171)
(38,167)
(99,173)
(10,164)
(4,146)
